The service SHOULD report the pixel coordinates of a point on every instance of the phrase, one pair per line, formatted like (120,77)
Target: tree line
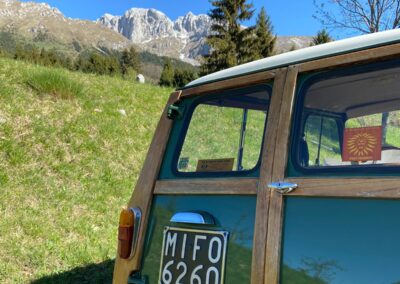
(175,77)
(123,63)
(126,63)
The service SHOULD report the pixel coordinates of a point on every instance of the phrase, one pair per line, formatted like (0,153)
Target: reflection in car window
(346,241)
(225,133)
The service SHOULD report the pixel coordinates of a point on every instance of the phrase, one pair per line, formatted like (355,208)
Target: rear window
(225,132)
(350,120)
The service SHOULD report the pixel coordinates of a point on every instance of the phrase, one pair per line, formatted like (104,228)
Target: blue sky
(289,17)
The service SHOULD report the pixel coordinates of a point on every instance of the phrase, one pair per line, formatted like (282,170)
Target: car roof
(303,55)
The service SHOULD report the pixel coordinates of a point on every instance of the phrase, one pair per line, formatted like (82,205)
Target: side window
(350,119)
(225,133)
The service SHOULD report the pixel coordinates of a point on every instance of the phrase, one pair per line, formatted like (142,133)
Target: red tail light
(127,233)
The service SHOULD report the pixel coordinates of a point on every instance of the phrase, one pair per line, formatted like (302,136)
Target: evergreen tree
(112,65)
(130,60)
(93,63)
(19,52)
(52,59)
(79,64)
(230,43)
(182,77)
(167,74)
(264,40)
(321,37)
(33,54)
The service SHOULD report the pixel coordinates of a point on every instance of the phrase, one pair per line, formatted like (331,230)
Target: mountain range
(155,32)
(150,30)
(183,38)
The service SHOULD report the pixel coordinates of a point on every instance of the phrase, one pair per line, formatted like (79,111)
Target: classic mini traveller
(282,170)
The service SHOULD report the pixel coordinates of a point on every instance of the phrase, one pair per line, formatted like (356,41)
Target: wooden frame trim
(217,186)
(272,254)
(267,156)
(382,52)
(143,192)
(351,187)
(231,83)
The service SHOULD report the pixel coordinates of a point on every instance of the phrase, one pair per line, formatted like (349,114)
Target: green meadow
(71,148)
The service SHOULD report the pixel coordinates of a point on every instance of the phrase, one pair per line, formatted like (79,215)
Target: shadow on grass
(92,273)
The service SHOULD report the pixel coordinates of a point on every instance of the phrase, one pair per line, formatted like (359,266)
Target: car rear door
(338,223)
(205,211)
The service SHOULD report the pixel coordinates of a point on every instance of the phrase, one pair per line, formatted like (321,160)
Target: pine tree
(130,60)
(321,37)
(182,77)
(19,52)
(230,43)
(167,74)
(264,40)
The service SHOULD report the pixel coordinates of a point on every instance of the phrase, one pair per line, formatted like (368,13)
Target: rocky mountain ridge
(155,32)
(183,38)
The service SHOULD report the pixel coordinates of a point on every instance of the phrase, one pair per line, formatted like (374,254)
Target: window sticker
(362,144)
(215,165)
(183,163)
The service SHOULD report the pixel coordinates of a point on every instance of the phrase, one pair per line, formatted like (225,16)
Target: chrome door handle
(282,187)
(193,217)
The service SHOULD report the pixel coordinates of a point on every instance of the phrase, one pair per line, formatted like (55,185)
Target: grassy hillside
(68,162)
(151,64)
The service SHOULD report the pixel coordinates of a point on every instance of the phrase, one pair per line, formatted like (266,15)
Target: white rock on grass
(122,112)
(140,78)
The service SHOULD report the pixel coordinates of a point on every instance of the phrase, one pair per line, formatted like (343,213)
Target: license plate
(191,256)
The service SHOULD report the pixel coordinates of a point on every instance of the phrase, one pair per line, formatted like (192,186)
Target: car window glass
(351,121)
(321,136)
(225,134)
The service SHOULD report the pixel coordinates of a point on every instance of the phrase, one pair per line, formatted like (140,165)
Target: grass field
(71,148)
(68,162)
